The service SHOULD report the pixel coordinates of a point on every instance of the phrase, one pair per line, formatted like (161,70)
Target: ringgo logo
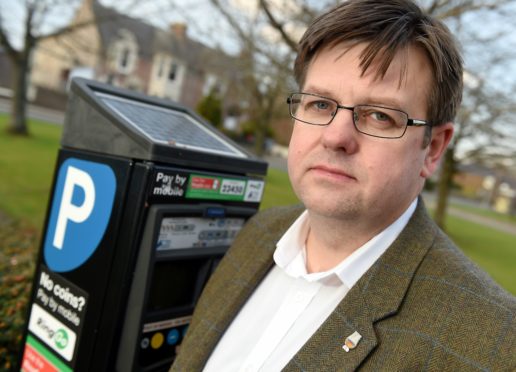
(52,332)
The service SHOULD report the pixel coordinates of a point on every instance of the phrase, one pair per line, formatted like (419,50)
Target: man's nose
(341,133)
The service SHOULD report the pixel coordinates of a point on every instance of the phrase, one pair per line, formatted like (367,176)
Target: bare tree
(36,13)
(266,48)
(38,24)
(485,123)
(263,65)
(485,131)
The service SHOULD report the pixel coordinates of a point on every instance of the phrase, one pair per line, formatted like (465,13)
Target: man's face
(340,173)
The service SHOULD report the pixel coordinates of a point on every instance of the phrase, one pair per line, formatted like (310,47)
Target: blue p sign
(81,209)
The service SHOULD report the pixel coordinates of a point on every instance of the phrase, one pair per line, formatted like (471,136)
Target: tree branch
(6,43)
(450,9)
(246,39)
(278,26)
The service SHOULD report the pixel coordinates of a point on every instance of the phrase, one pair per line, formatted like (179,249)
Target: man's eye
(319,105)
(380,116)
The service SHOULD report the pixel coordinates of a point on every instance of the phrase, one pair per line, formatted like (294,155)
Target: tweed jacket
(423,306)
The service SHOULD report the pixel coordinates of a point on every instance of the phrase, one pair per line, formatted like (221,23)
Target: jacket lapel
(377,295)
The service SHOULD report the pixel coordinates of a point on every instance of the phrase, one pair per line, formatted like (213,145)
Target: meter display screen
(197,232)
(173,283)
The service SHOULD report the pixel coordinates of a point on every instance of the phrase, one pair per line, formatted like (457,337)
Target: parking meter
(146,199)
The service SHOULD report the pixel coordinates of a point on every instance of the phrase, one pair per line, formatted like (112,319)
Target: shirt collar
(291,257)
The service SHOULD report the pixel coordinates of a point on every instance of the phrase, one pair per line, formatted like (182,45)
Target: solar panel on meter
(169,127)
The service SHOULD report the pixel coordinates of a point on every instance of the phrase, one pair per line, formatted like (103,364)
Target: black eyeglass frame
(410,122)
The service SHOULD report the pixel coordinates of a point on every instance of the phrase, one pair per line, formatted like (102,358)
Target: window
(124,52)
(173,71)
(124,58)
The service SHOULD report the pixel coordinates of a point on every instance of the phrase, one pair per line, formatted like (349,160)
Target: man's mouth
(333,172)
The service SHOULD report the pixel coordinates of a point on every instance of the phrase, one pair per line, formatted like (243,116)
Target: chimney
(179,30)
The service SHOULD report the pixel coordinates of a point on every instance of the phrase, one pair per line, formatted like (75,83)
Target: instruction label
(169,184)
(57,314)
(222,188)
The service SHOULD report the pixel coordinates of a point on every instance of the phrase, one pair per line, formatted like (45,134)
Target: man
(360,277)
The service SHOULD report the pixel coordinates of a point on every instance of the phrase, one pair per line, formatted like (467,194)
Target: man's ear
(441,137)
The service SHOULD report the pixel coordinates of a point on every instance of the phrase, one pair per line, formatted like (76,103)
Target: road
(35,112)
(472,217)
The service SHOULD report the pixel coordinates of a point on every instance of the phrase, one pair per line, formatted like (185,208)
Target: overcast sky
(206,25)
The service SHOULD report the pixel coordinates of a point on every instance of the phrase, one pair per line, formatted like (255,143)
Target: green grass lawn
(26,169)
(27,166)
(277,190)
(494,251)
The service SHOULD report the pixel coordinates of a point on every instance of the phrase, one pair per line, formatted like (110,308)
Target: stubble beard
(344,208)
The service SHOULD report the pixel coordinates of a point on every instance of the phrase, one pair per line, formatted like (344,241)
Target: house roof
(484,171)
(110,21)
(477,169)
(151,40)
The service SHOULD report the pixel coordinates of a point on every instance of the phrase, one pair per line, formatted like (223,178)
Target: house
(126,52)
(496,188)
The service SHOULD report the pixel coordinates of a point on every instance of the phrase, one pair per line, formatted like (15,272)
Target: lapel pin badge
(352,341)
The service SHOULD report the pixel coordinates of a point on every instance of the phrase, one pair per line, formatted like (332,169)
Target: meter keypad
(161,344)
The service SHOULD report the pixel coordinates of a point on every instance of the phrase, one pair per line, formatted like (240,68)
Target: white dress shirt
(290,304)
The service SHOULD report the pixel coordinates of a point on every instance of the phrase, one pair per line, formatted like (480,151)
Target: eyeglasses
(376,121)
